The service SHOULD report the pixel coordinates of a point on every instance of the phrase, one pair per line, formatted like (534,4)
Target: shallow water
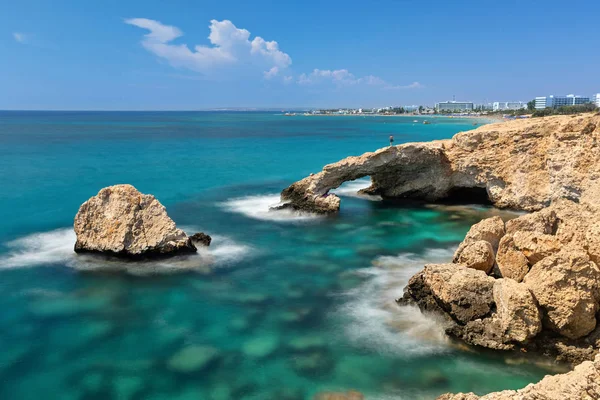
(281,306)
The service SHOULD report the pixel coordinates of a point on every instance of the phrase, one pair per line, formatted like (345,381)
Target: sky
(191,55)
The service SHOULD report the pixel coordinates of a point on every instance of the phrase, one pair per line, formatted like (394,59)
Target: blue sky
(149,54)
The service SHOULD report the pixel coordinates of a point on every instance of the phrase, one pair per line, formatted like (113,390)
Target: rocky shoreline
(531,284)
(521,164)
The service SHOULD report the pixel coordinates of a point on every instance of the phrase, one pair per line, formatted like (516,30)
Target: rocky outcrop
(523,164)
(544,294)
(121,221)
(583,383)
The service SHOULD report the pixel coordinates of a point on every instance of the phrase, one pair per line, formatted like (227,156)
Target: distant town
(541,105)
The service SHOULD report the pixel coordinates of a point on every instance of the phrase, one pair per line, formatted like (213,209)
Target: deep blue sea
(280,307)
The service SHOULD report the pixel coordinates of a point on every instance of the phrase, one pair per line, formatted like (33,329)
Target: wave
(56,247)
(259,207)
(375,320)
(351,189)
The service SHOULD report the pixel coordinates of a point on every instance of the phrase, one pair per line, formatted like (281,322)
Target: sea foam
(259,207)
(56,247)
(375,321)
(351,189)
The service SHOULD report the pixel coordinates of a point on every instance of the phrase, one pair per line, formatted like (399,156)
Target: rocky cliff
(522,164)
(531,283)
(121,221)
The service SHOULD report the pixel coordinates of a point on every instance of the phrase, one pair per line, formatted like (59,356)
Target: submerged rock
(523,164)
(121,221)
(261,346)
(193,358)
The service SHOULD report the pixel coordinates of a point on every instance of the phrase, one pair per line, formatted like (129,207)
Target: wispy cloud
(414,85)
(20,37)
(343,77)
(229,47)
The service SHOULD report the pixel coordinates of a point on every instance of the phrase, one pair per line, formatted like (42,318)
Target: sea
(281,306)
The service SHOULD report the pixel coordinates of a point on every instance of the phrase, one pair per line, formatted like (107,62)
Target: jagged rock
(511,262)
(535,246)
(464,293)
(543,221)
(121,221)
(490,230)
(523,164)
(201,239)
(567,285)
(477,255)
(516,319)
(583,383)
(517,311)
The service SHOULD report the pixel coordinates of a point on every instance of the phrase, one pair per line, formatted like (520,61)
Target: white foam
(375,320)
(259,207)
(351,189)
(56,247)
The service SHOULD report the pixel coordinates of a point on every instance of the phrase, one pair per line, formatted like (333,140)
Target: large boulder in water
(121,221)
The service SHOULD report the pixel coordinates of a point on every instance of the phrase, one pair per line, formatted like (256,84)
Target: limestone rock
(583,383)
(543,221)
(517,311)
(490,230)
(523,164)
(477,255)
(464,293)
(566,285)
(121,221)
(535,246)
(511,262)
(350,395)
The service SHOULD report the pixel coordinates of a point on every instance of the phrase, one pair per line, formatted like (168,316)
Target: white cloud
(20,37)
(232,51)
(230,47)
(271,73)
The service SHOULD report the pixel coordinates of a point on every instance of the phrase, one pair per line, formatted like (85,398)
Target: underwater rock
(261,346)
(313,363)
(193,358)
(524,164)
(307,342)
(123,222)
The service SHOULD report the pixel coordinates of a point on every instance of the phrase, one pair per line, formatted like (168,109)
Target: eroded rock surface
(544,295)
(121,221)
(522,164)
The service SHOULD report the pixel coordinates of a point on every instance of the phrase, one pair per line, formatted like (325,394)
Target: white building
(558,101)
(454,106)
(508,105)
(596,99)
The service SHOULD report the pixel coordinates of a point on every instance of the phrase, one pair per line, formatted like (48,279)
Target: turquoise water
(282,306)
